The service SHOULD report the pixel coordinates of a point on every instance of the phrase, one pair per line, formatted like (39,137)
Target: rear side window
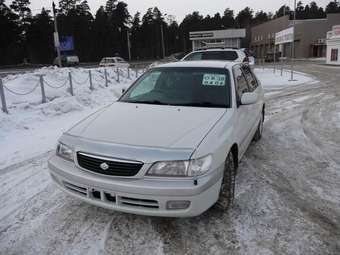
(213,55)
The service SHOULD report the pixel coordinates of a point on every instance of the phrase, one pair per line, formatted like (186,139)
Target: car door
(256,109)
(243,112)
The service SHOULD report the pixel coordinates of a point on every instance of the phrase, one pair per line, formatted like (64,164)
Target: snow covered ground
(33,128)
(287,188)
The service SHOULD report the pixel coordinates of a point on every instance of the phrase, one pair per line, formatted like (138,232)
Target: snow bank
(33,128)
(272,81)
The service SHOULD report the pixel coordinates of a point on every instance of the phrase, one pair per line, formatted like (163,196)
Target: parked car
(235,55)
(269,57)
(250,55)
(71,60)
(114,61)
(170,146)
(169,59)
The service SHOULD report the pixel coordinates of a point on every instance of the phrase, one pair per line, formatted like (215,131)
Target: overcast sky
(179,8)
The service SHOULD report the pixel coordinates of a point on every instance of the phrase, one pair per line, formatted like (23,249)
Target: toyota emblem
(104,166)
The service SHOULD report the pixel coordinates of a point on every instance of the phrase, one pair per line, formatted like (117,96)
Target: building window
(334,54)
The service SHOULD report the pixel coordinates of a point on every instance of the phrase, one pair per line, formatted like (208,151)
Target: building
(310,36)
(333,46)
(229,38)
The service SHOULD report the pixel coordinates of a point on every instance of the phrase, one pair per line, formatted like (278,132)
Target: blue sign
(66,43)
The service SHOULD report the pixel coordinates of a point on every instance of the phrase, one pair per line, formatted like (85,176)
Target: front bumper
(144,196)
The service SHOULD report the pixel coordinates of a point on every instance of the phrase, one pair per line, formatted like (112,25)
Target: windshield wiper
(205,104)
(157,102)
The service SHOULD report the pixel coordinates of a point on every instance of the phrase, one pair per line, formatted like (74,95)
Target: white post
(274,58)
(56,35)
(2,96)
(293,45)
(162,38)
(128,43)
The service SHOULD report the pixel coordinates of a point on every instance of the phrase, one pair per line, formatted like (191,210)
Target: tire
(259,131)
(227,191)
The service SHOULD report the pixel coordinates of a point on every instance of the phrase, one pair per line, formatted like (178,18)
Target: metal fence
(69,82)
(280,66)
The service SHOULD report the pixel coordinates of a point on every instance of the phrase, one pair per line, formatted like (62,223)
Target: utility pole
(284,10)
(293,45)
(128,43)
(56,35)
(162,38)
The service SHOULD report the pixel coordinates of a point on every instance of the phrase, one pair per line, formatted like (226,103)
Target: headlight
(184,168)
(65,152)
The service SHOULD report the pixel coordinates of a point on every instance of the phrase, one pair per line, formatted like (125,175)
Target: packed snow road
(287,197)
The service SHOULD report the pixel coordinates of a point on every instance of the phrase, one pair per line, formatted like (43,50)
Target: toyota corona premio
(170,146)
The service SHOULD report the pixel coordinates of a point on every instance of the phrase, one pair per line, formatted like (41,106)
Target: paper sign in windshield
(213,80)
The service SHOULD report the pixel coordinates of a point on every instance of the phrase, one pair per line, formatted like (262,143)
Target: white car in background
(249,53)
(170,146)
(67,60)
(114,62)
(223,54)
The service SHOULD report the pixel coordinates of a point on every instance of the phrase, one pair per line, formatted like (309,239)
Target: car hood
(149,125)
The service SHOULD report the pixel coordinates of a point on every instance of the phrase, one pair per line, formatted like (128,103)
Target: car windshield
(201,87)
(212,55)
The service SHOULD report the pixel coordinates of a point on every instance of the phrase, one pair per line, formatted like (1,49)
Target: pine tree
(333,7)
(10,50)
(67,5)
(21,7)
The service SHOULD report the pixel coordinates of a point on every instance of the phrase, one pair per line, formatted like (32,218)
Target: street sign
(336,30)
(66,43)
(284,36)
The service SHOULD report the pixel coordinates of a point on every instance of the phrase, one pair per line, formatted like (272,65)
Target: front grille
(115,167)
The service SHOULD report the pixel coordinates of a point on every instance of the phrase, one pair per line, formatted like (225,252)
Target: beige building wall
(310,36)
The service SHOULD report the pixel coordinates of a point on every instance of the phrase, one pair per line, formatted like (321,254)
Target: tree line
(29,37)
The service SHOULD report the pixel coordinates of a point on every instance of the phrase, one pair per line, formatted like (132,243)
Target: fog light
(177,205)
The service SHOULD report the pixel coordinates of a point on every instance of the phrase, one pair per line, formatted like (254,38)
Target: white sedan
(114,62)
(170,146)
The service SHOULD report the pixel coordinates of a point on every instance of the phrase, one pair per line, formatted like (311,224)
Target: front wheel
(259,131)
(227,190)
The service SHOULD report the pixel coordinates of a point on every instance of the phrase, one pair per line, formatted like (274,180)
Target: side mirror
(123,91)
(249,98)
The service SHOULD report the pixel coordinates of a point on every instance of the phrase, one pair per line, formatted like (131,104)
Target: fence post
(281,67)
(263,64)
(41,78)
(90,78)
(128,72)
(118,80)
(136,73)
(106,81)
(71,84)
(3,99)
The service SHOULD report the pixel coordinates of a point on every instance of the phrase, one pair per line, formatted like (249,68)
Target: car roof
(111,57)
(201,63)
(217,49)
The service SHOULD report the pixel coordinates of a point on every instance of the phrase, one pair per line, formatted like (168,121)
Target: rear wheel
(227,190)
